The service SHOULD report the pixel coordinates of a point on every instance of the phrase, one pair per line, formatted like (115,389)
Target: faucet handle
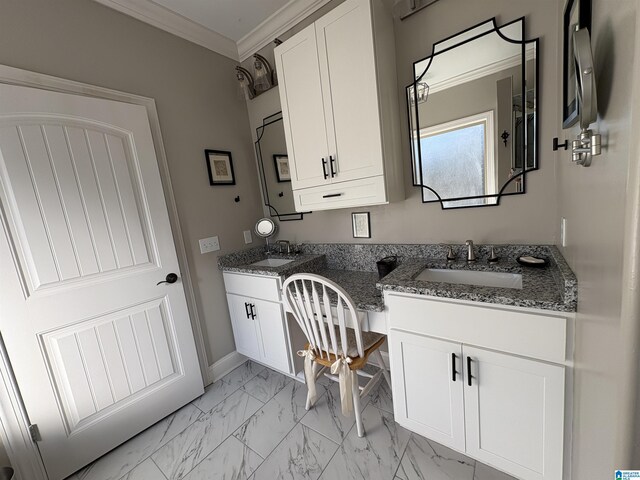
(468,242)
(451,256)
(493,257)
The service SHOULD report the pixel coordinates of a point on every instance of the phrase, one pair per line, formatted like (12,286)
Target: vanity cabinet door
(427,395)
(273,337)
(350,87)
(514,410)
(302,109)
(244,327)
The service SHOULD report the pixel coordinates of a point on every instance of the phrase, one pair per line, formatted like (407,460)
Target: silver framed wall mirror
(588,143)
(265,228)
(472,115)
(273,169)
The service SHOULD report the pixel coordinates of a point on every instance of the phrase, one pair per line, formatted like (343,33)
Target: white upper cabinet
(299,77)
(339,103)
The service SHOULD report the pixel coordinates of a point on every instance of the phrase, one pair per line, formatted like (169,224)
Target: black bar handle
(469,377)
(453,367)
(332,162)
(253,312)
(331,195)
(246,309)
(324,168)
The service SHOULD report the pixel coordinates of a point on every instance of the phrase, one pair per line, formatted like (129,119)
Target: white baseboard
(225,365)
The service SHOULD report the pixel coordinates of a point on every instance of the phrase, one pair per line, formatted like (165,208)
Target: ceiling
(231,18)
(234,28)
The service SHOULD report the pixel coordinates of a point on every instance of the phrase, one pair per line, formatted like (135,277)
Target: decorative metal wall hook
(505,136)
(557,145)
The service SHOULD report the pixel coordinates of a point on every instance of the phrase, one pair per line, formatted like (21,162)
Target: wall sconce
(264,76)
(419,93)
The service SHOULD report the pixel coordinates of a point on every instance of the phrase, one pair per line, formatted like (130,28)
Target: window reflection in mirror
(273,166)
(472,136)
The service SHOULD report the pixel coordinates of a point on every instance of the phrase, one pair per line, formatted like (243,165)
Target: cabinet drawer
(354,193)
(522,333)
(255,286)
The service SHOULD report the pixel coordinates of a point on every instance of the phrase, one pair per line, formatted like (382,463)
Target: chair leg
(355,390)
(382,365)
(314,368)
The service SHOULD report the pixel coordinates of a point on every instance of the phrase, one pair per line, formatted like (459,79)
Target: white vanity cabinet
(463,377)
(257,319)
(339,104)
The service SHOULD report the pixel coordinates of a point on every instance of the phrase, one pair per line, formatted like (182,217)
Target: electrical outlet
(247,236)
(563,232)
(210,244)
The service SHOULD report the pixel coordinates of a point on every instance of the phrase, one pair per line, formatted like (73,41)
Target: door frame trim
(14,422)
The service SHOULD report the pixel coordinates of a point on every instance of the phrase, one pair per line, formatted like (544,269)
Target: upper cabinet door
(302,109)
(349,82)
(514,410)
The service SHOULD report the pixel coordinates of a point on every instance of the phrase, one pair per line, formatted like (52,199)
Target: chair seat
(370,342)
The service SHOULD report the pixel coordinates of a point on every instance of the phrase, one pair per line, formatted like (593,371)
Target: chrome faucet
(471,255)
(282,243)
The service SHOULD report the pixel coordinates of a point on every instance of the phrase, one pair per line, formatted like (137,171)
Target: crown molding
(149,12)
(278,23)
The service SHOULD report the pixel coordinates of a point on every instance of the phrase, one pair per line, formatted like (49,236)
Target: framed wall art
(281,162)
(220,167)
(361,222)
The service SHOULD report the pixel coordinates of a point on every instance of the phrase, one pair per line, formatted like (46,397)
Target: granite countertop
(361,286)
(241,262)
(542,288)
(551,288)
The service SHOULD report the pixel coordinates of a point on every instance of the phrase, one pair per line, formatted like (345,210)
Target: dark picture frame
(361,224)
(281,163)
(220,167)
(577,14)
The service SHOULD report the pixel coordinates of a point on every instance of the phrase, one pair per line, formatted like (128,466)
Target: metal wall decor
(472,115)
(273,169)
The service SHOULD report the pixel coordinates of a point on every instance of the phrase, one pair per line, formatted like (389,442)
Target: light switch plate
(210,244)
(563,232)
(247,236)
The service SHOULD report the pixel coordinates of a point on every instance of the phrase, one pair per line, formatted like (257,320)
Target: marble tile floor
(252,425)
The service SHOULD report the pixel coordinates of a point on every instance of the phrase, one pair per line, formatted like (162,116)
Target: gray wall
(520,219)
(195,91)
(593,200)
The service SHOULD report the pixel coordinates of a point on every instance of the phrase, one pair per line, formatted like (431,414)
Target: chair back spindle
(309,298)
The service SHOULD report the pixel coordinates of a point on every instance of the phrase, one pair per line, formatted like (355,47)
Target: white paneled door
(100,351)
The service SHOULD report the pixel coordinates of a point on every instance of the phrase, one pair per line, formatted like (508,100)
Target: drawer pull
(469,377)
(324,168)
(331,195)
(253,312)
(332,162)
(453,367)
(246,309)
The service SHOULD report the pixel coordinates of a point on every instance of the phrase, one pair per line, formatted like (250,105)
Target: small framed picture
(283,174)
(361,224)
(220,167)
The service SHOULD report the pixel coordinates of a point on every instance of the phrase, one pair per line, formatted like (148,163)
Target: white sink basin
(272,262)
(472,277)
